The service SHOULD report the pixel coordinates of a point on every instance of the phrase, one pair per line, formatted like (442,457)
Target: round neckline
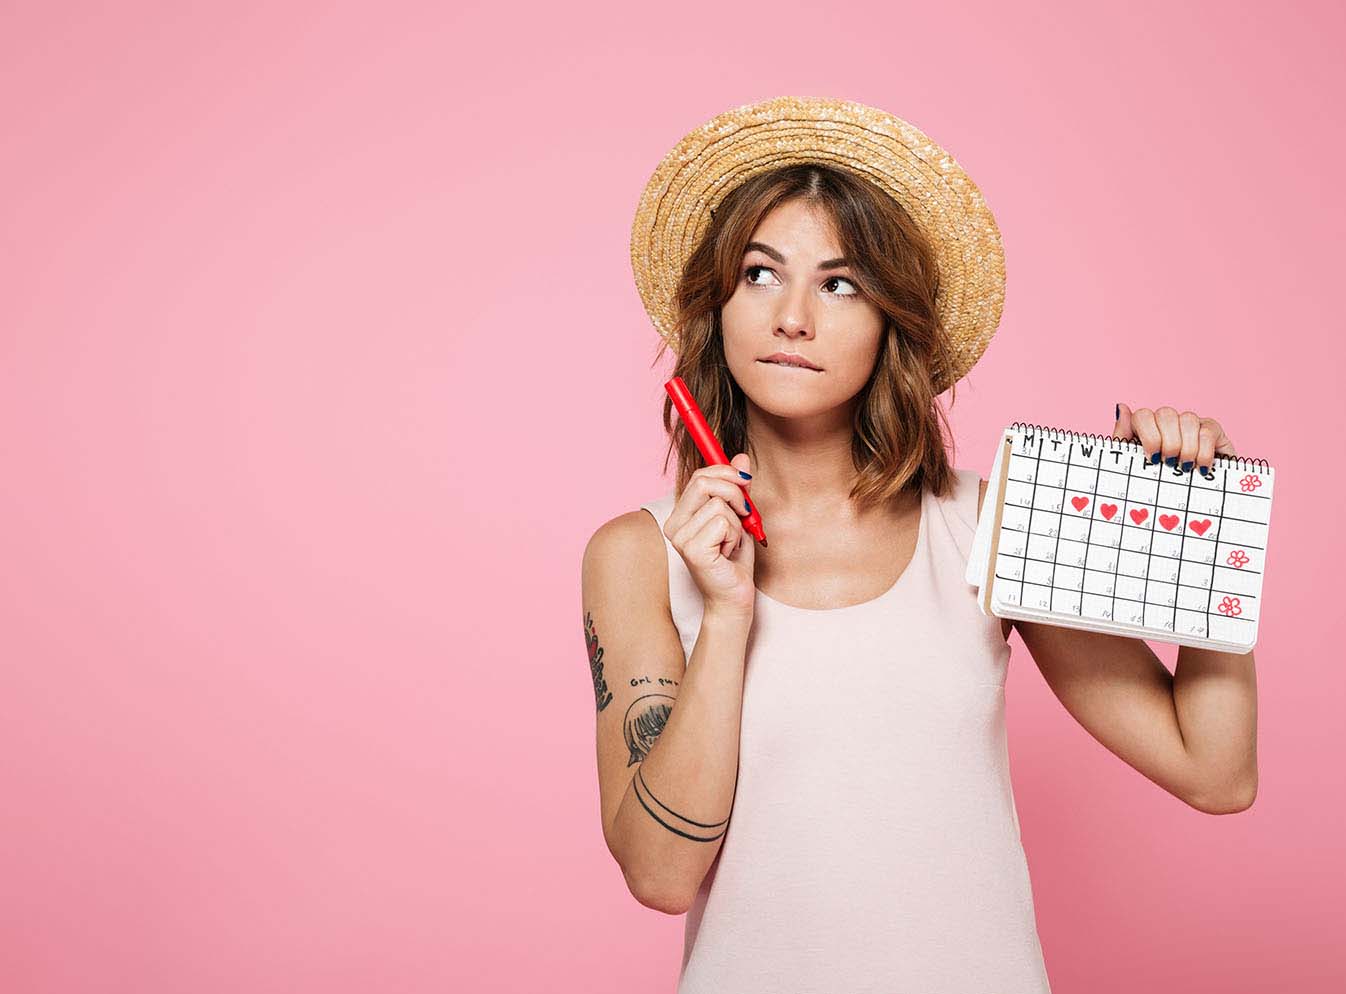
(916,557)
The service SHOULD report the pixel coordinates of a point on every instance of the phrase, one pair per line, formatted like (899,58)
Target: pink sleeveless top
(874,842)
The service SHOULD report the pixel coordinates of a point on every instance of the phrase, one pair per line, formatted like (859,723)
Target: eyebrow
(768,250)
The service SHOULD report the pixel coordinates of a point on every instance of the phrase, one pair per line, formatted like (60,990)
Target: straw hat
(901,159)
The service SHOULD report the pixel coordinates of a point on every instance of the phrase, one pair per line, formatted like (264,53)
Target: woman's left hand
(1187,439)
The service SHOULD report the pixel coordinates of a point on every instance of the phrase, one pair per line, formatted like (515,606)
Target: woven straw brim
(941,198)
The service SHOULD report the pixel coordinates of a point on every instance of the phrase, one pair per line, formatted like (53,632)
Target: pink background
(294,685)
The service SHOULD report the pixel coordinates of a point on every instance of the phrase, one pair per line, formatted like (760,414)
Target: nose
(795,318)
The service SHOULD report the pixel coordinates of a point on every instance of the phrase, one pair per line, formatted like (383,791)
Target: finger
(722,482)
(1170,434)
(1189,427)
(720,536)
(744,552)
(710,529)
(1123,427)
(709,539)
(1205,448)
(1147,432)
(731,494)
(1223,445)
(706,483)
(733,472)
(743,463)
(732,534)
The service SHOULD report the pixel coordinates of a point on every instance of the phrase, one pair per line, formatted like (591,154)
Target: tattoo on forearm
(602,698)
(645,720)
(665,811)
(663,681)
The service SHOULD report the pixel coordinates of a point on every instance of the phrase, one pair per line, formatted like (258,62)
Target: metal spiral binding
(1061,434)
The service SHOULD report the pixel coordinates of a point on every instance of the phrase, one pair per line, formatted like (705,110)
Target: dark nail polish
(1171,461)
(746,476)
(1154,458)
(1187,466)
(747,507)
(1117,414)
(1203,471)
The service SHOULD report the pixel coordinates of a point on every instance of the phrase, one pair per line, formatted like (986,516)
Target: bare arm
(1192,732)
(667,732)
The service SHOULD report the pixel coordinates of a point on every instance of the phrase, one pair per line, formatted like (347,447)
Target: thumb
(1123,427)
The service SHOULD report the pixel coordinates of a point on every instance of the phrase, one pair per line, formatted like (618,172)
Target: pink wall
(294,687)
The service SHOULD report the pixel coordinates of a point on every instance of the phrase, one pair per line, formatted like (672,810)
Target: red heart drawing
(1080,503)
(1108,510)
(1139,514)
(1169,521)
(1199,526)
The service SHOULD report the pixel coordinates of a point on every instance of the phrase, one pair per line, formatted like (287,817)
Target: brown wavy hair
(901,438)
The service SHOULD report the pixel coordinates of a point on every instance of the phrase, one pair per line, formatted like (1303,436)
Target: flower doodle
(1238,559)
(1230,607)
(1250,483)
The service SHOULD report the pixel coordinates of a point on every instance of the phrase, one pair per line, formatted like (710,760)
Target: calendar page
(1088,533)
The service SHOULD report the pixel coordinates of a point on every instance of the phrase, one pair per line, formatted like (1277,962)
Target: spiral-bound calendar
(1083,530)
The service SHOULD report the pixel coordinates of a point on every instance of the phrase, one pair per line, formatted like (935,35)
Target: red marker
(695,423)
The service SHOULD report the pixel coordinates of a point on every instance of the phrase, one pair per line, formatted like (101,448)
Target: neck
(802,463)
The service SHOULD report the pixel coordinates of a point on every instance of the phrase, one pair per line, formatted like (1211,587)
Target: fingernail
(1187,466)
(746,476)
(1154,458)
(1117,414)
(1171,461)
(747,507)
(1203,471)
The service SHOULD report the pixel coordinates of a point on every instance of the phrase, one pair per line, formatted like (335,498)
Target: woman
(802,745)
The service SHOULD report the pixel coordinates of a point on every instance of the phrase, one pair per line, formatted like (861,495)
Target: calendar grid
(1060,521)
(1224,493)
(1141,528)
(1169,507)
(1048,562)
(1149,547)
(1182,543)
(1117,559)
(1089,532)
(1160,539)
(1032,501)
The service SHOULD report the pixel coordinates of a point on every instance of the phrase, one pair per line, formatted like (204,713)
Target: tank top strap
(685,602)
(952,527)
(957,515)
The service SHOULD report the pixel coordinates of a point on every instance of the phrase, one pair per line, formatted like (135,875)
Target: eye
(747,274)
(751,280)
(841,279)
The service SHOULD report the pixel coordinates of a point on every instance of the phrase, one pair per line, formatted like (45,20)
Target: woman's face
(793,297)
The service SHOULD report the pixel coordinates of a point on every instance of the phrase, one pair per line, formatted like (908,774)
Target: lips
(790,360)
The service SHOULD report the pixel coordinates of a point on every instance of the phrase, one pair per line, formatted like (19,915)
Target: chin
(785,401)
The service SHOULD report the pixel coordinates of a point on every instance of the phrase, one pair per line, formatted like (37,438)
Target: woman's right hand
(706,527)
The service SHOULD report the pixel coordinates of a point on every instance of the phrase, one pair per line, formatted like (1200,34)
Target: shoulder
(634,536)
(626,552)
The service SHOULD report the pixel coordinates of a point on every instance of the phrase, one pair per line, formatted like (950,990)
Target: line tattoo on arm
(665,811)
(602,697)
(645,721)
